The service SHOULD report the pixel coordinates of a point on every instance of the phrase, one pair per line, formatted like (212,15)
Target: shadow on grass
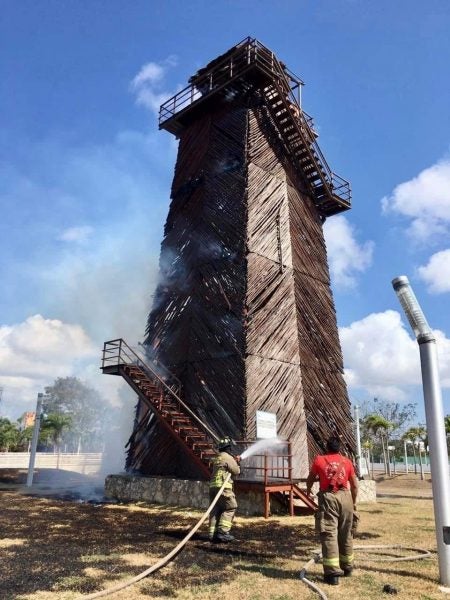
(365,535)
(408,497)
(400,572)
(55,541)
(271,572)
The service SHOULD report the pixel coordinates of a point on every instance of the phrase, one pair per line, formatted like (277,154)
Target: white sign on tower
(266,425)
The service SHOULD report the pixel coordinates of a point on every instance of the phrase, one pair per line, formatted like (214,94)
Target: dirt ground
(54,546)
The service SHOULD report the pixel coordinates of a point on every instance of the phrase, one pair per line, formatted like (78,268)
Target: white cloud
(122,190)
(425,200)
(76,234)
(37,351)
(148,84)
(382,359)
(149,73)
(345,255)
(436,273)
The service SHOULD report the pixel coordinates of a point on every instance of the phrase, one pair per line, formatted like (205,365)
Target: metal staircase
(250,67)
(159,391)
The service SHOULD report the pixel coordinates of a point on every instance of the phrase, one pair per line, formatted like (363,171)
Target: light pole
(34,440)
(406,457)
(435,421)
(358,440)
(419,446)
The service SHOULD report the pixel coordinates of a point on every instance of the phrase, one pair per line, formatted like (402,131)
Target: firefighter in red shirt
(337,501)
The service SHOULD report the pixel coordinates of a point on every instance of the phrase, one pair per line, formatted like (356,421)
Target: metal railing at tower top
(231,66)
(234,73)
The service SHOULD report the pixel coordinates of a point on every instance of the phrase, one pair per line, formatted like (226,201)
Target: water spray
(261,446)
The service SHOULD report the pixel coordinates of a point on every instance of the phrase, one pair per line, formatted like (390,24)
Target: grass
(55,549)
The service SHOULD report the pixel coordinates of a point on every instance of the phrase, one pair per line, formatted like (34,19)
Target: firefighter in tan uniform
(221,518)
(337,502)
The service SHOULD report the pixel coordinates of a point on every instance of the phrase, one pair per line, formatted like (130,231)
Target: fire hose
(420,554)
(163,561)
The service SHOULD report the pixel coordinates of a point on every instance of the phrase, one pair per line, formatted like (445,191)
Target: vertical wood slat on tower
(243,313)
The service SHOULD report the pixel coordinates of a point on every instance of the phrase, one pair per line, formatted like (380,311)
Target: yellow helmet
(225,443)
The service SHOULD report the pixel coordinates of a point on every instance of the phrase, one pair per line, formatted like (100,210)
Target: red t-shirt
(328,466)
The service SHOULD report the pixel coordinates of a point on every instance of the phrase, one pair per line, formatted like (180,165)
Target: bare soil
(52,546)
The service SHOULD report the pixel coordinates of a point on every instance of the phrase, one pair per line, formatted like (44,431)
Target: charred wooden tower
(243,315)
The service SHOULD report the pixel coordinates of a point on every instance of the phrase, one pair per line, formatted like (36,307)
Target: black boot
(331,579)
(348,571)
(224,538)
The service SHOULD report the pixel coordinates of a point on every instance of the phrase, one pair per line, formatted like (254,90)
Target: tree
(25,436)
(399,415)
(9,435)
(447,430)
(380,427)
(417,435)
(53,427)
(71,397)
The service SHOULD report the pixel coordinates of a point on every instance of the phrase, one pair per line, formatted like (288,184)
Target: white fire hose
(420,554)
(163,561)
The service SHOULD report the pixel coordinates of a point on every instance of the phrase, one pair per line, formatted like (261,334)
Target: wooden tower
(243,315)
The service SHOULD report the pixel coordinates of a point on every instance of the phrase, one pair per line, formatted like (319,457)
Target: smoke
(85,481)
(118,433)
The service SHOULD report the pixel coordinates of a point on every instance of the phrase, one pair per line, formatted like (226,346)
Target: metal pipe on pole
(34,439)
(358,440)
(406,457)
(434,414)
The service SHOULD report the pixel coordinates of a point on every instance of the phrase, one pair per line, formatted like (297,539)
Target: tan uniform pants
(222,515)
(334,521)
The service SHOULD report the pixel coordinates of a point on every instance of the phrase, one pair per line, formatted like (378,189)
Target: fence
(88,463)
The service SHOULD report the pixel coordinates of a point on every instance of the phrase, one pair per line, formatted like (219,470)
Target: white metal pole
(406,457)
(358,440)
(434,414)
(438,453)
(34,440)
(419,450)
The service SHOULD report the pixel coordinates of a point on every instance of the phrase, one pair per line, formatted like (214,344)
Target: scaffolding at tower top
(243,71)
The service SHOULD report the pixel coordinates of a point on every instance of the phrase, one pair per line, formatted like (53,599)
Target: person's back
(334,519)
(334,471)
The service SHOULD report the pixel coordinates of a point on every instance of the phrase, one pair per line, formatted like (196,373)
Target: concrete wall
(88,463)
(195,494)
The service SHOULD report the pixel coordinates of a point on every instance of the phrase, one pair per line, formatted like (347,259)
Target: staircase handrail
(141,362)
(247,53)
(324,173)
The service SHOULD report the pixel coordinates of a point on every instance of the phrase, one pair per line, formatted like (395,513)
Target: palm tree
(380,427)
(368,447)
(53,427)
(417,435)
(9,434)
(447,430)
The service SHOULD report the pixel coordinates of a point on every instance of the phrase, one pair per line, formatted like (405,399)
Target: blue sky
(85,173)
